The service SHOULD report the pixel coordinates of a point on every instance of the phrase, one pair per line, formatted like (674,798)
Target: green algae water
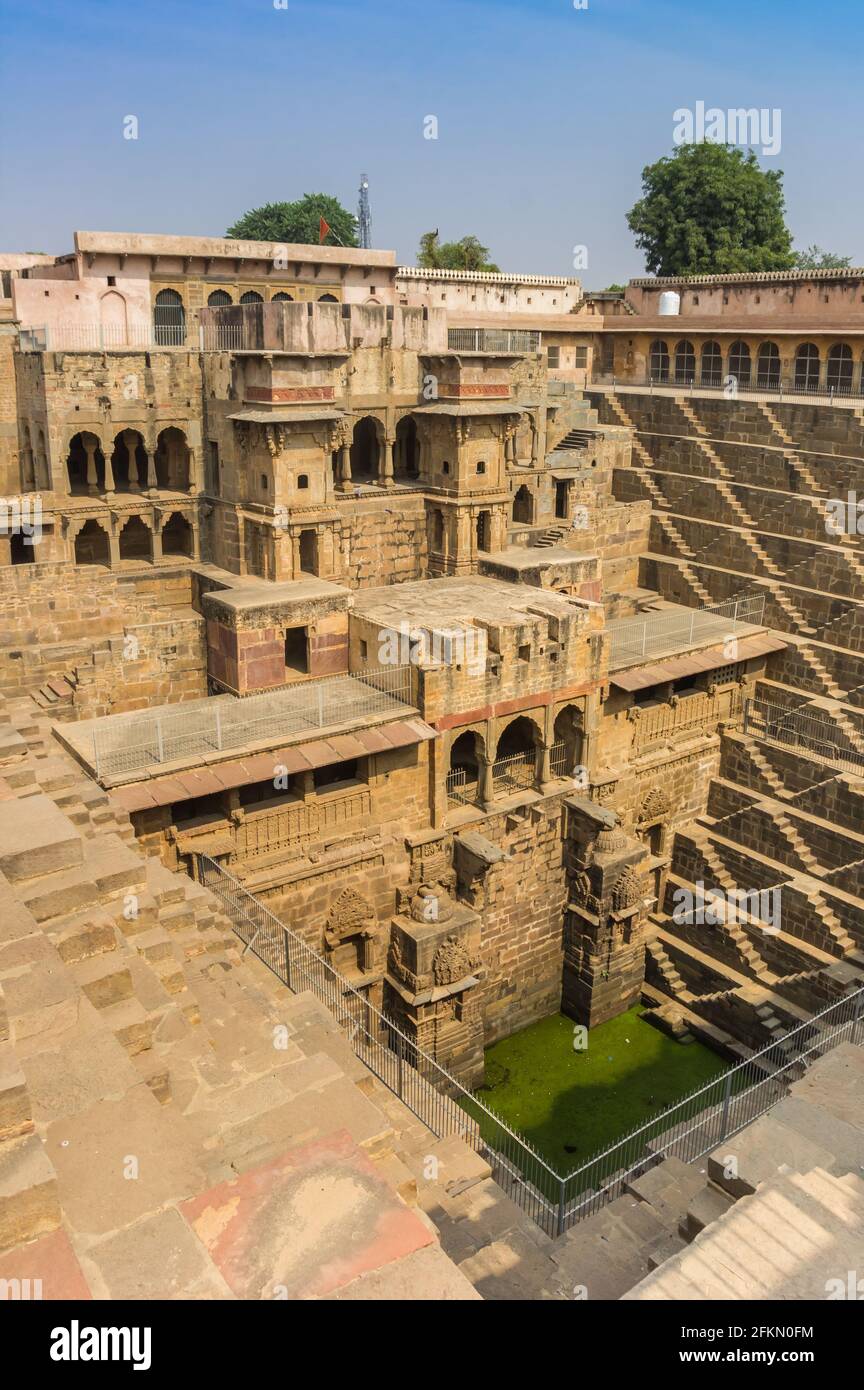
(569,1103)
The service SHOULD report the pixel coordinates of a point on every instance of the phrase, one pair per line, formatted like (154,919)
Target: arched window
(768,366)
(807,367)
(217,298)
(523,506)
(739,362)
(327,299)
(839,377)
(712,364)
(135,540)
(515,756)
(685,362)
(169,319)
(365,449)
(91,545)
(251,297)
(658,359)
(177,535)
(285,298)
(464,775)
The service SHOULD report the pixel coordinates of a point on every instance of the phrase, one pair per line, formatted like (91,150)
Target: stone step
(708,1204)
(105,979)
(29,1201)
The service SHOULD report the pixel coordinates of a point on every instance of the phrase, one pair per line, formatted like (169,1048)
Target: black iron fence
(693,1127)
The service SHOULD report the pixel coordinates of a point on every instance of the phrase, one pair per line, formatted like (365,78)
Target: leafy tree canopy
(298,222)
(467,254)
(814,258)
(710,209)
(614,289)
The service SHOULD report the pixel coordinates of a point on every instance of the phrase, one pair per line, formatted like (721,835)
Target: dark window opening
(297,650)
(335,774)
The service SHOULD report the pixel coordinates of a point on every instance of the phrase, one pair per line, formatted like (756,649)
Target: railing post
(320,693)
(219,728)
(859,1009)
(159,742)
(562,1202)
(727,1096)
(400,1056)
(96,758)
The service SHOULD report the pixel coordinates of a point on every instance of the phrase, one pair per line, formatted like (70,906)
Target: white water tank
(670,303)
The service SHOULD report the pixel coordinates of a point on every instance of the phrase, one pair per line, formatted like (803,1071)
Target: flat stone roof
(451,602)
(154,244)
(252,596)
(474,407)
(531,557)
(284,415)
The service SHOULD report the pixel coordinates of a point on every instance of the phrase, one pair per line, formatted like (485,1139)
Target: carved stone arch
(352,932)
(654,806)
(508,723)
(351,914)
(451,962)
(628,889)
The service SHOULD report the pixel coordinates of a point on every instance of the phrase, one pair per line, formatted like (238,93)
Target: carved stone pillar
(109,471)
(90,450)
(543,765)
(130,439)
(152,485)
(386,475)
(485,787)
(114,540)
(345,469)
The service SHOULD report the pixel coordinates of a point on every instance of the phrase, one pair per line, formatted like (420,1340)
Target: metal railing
(753,386)
(713,1113)
(515,340)
(515,772)
(638,639)
(128,743)
(694,1126)
(560,765)
(461,792)
(421,1083)
(808,731)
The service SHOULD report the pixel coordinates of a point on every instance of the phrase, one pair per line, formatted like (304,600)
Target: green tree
(710,209)
(615,289)
(298,222)
(814,258)
(467,254)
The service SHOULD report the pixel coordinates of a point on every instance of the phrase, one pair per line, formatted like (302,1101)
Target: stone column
(130,439)
(109,471)
(386,474)
(345,469)
(543,765)
(152,486)
(114,541)
(485,788)
(194,481)
(156,543)
(90,450)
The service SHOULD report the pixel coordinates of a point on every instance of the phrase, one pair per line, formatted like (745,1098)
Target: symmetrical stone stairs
(776,1212)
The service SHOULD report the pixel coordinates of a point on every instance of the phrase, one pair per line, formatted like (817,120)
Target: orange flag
(323,229)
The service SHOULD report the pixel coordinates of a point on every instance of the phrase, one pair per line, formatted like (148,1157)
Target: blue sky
(546,115)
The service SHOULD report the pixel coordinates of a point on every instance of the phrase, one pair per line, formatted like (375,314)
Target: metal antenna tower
(364,216)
